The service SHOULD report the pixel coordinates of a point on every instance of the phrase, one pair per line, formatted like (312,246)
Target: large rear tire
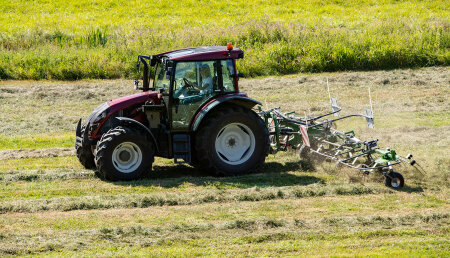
(84,153)
(124,153)
(232,141)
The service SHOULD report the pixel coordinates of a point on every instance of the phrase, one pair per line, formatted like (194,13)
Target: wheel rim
(235,143)
(127,157)
(395,182)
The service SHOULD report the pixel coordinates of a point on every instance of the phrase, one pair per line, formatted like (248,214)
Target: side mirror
(169,73)
(239,75)
(152,60)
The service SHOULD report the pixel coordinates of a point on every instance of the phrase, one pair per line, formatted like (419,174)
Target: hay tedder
(316,137)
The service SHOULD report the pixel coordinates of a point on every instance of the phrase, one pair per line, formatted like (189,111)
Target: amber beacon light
(229,46)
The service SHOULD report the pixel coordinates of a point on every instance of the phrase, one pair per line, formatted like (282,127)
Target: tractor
(190,109)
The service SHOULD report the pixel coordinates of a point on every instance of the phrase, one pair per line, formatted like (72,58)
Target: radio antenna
(328,87)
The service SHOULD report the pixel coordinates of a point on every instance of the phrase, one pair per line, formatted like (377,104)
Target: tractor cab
(189,78)
(190,110)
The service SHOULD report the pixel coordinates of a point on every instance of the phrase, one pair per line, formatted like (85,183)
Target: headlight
(101,116)
(99,113)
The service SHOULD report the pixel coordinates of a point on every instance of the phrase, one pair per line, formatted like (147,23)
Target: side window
(160,78)
(228,75)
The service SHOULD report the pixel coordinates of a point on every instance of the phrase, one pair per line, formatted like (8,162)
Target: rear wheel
(84,153)
(124,154)
(233,141)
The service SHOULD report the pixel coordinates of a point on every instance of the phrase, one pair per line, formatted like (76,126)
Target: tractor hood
(123,102)
(108,109)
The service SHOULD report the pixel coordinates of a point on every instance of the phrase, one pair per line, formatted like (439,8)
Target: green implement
(318,136)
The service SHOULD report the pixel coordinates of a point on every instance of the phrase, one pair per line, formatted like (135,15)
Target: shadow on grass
(272,174)
(411,189)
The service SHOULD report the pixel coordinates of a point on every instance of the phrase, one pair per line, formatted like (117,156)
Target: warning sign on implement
(305,138)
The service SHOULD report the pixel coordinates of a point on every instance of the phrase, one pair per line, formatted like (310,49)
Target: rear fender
(239,100)
(136,124)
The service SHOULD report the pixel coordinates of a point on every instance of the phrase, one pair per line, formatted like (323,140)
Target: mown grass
(51,206)
(279,236)
(69,40)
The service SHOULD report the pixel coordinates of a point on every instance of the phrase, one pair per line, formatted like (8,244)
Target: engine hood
(123,102)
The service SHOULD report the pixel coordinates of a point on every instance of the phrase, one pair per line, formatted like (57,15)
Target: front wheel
(233,141)
(84,152)
(124,154)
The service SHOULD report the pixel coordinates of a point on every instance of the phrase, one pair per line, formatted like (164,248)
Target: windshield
(160,78)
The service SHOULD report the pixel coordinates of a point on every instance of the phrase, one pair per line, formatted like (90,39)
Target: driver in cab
(206,78)
(205,87)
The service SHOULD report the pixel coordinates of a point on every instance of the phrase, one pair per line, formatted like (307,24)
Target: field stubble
(50,205)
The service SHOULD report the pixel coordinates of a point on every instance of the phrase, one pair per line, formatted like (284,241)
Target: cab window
(194,84)
(228,75)
(160,79)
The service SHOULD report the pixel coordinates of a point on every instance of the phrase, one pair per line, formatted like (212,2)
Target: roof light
(229,46)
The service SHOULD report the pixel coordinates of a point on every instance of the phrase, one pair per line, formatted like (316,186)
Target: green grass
(68,40)
(40,163)
(37,141)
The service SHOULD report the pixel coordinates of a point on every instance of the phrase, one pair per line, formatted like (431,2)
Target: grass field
(50,205)
(68,40)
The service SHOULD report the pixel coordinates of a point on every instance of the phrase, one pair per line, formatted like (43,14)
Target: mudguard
(78,131)
(78,136)
(132,122)
(238,99)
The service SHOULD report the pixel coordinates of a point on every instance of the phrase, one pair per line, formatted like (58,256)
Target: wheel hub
(235,143)
(127,157)
(395,182)
(124,156)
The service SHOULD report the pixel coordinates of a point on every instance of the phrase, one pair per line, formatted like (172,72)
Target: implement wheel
(394,180)
(233,141)
(124,153)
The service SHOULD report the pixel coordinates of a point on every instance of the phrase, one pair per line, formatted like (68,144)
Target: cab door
(195,83)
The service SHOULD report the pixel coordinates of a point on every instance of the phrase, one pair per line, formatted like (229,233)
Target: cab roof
(203,53)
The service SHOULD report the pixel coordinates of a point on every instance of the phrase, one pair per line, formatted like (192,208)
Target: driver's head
(204,71)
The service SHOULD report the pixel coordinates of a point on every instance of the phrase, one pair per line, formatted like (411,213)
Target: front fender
(239,100)
(131,122)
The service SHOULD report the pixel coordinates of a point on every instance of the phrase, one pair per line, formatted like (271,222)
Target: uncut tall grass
(69,40)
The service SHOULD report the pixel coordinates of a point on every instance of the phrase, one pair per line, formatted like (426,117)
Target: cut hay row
(264,231)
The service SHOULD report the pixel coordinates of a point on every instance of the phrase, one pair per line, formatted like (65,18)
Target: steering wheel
(188,84)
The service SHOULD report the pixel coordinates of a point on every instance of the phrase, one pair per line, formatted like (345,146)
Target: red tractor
(190,110)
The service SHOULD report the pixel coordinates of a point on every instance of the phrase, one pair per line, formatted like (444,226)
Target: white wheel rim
(395,182)
(127,157)
(235,143)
